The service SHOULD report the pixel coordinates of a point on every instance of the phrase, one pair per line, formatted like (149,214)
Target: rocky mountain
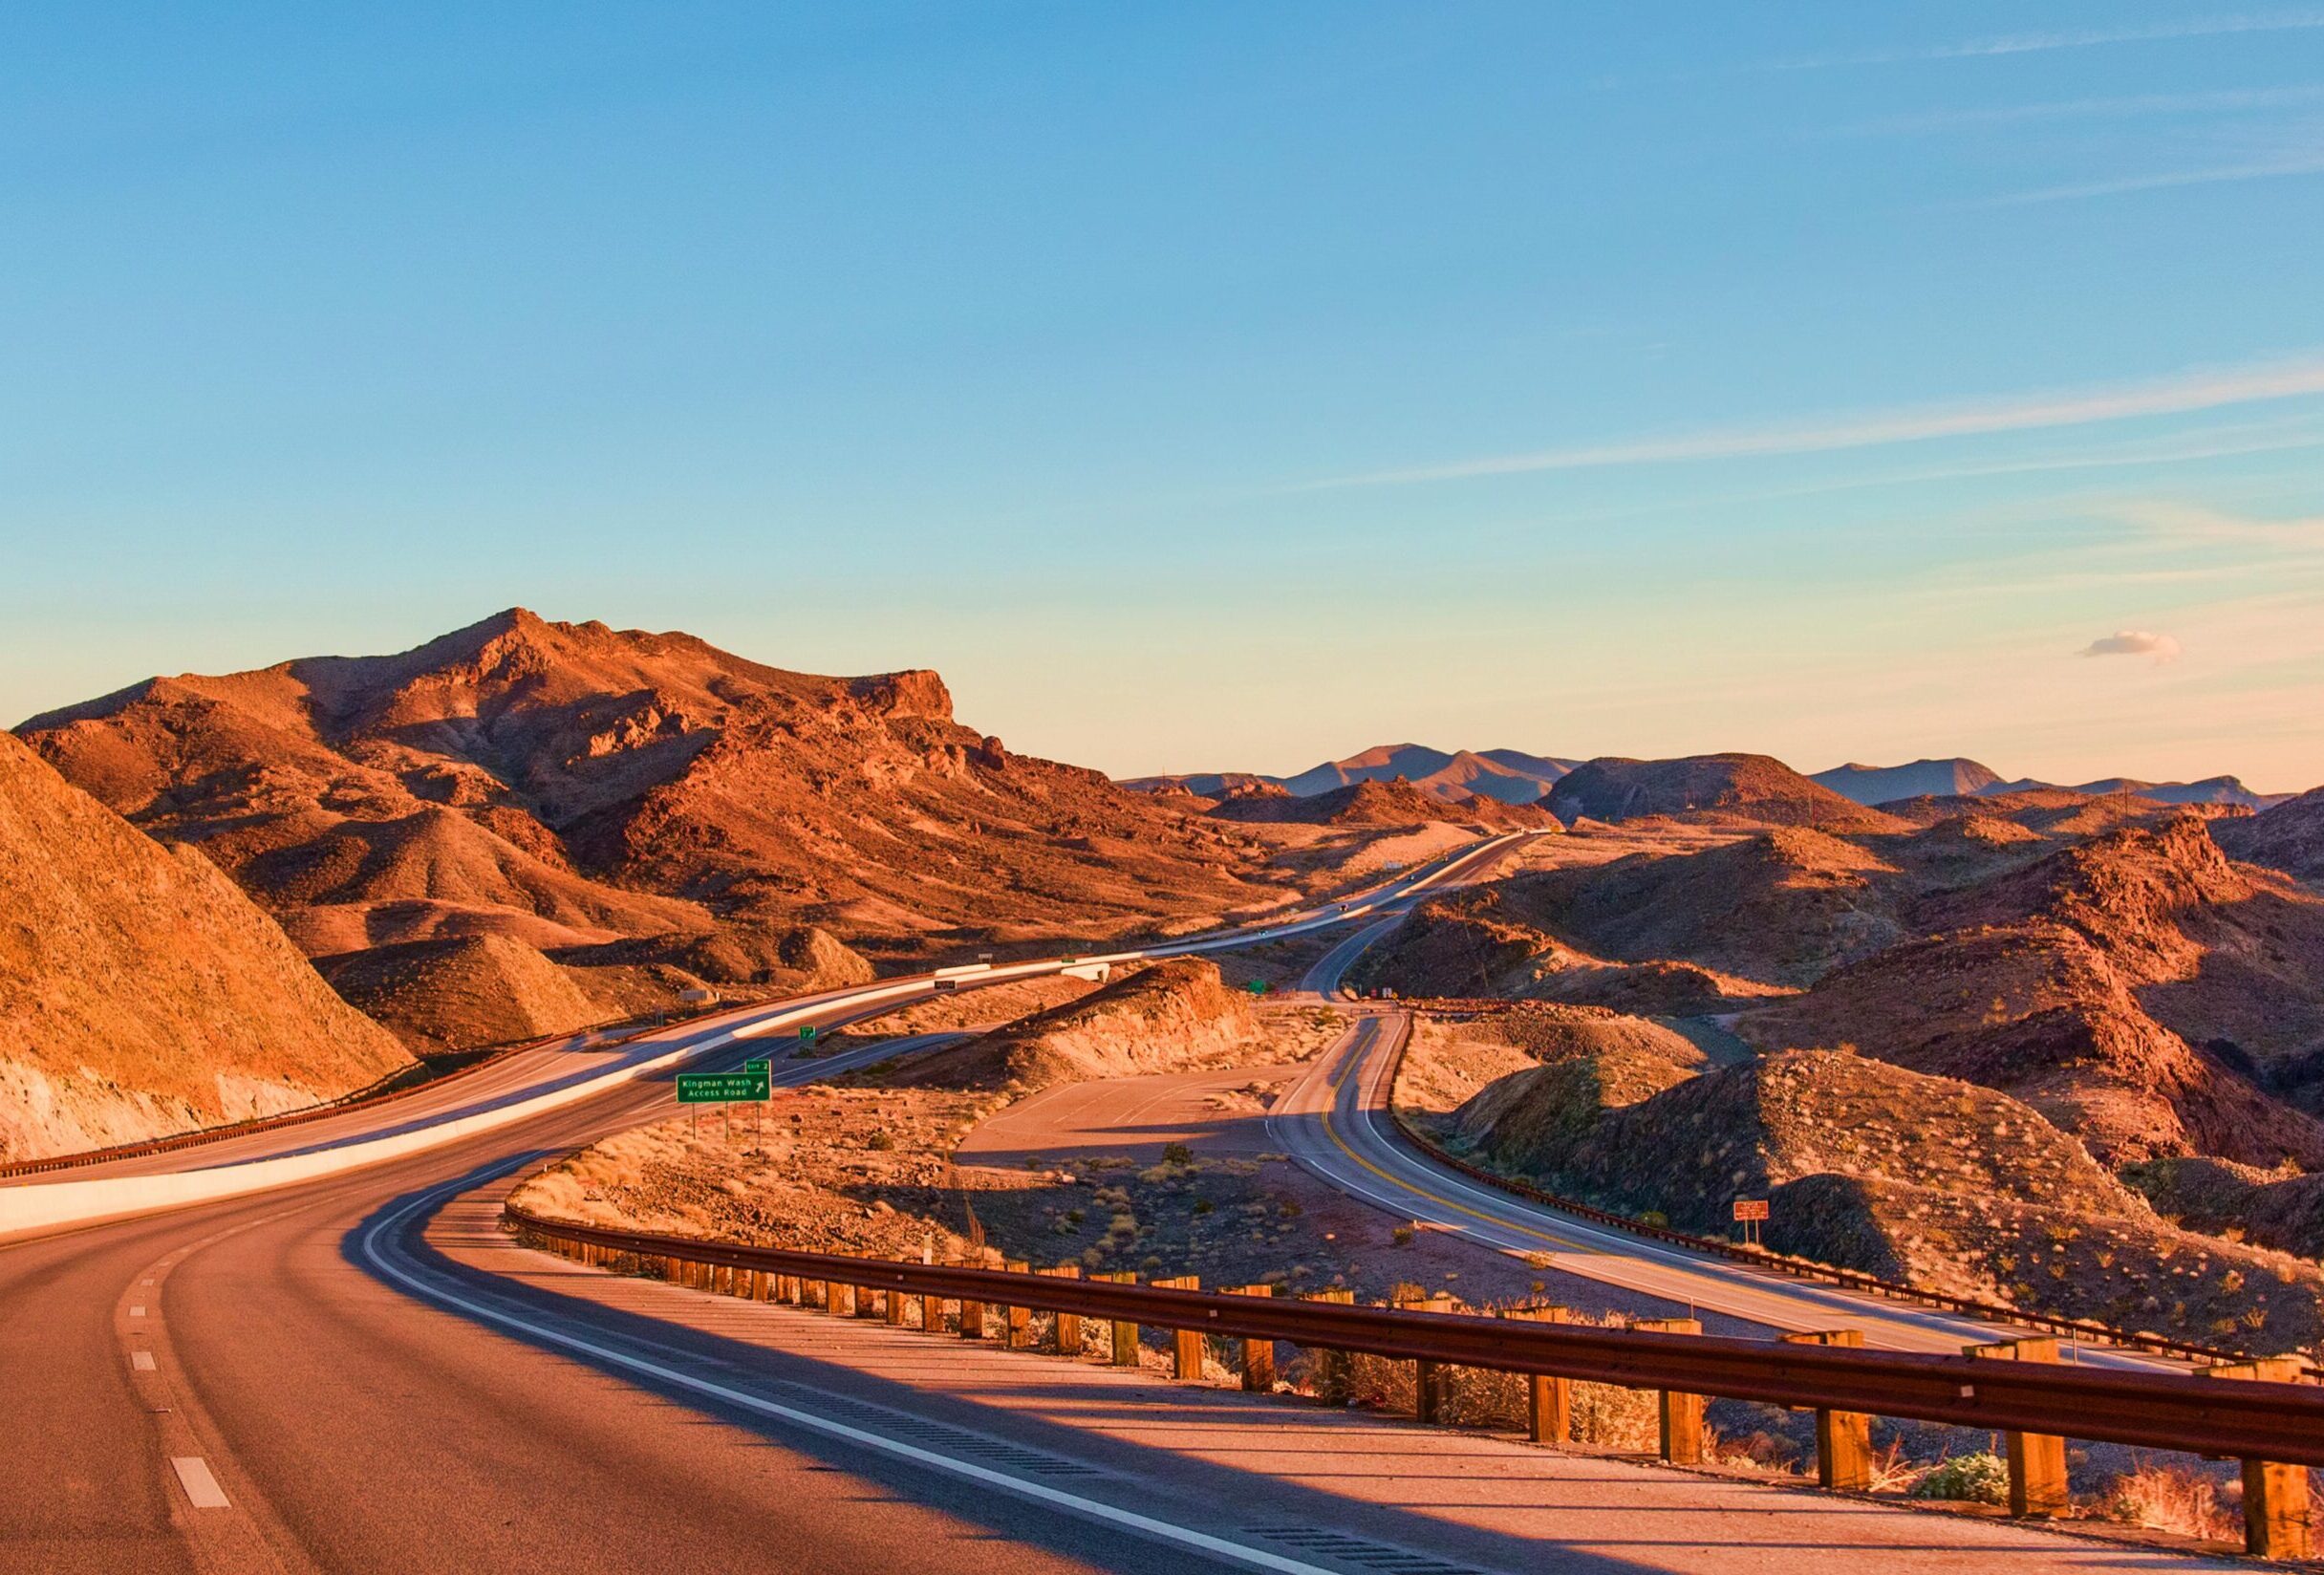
(2289,837)
(1161,1019)
(464,991)
(1730,788)
(1511,776)
(2228,791)
(141,992)
(2140,990)
(569,785)
(1920,779)
(1934,1180)
(1395,802)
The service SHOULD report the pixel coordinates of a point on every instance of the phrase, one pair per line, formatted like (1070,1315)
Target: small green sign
(723,1087)
(761,1066)
(1259,986)
(807,1031)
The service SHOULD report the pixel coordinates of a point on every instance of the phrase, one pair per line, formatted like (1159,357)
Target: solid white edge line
(201,1487)
(1129,1519)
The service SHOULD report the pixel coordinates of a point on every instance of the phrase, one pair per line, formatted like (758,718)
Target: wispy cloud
(2225,102)
(2035,43)
(2134,642)
(2202,390)
(2195,524)
(2263,169)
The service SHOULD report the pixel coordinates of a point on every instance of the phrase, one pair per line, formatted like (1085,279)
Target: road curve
(1334,1120)
(233,1386)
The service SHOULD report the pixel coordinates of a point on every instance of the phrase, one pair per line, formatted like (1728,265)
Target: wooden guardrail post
(1427,1379)
(1549,1401)
(931,1313)
(1258,1355)
(1017,1322)
(1125,1333)
(2276,1519)
(867,1302)
(1682,1414)
(972,1316)
(1185,1343)
(1843,1438)
(2037,1461)
(816,1294)
(1068,1324)
(673,1270)
(839,1299)
(1334,1370)
(894,1303)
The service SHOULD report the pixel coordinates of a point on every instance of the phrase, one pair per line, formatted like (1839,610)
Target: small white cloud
(2134,642)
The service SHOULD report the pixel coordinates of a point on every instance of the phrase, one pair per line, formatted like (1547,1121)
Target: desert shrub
(1178,1154)
(2171,1498)
(1611,1417)
(1978,1479)
(1401,1236)
(881,1141)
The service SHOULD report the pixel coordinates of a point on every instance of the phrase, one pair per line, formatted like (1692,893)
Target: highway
(360,1371)
(234,1385)
(1334,1121)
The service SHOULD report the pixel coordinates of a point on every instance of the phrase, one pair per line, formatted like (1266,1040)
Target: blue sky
(1205,386)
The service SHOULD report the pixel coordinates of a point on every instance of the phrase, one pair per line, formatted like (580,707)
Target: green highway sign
(808,1032)
(761,1066)
(723,1087)
(1259,986)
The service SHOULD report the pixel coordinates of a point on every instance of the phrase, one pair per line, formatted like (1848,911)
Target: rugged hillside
(1169,1017)
(2082,982)
(2289,837)
(141,993)
(465,991)
(1486,942)
(1777,909)
(2229,957)
(2243,1203)
(2223,790)
(1392,803)
(1940,1181)
(1511,776)
(1920,779)
(1739,790)
(569,783)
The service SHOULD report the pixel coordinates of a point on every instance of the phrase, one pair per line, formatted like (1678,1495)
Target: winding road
(358,1370)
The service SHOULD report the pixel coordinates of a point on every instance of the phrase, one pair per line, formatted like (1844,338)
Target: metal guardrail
(361,1099)
(1798,1268)
(2246,1419)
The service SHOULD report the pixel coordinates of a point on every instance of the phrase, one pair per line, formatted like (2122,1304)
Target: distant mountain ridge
(1958,777)
(1509,775)
(1920,779)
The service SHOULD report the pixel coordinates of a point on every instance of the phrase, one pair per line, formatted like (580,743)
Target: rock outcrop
(142,994)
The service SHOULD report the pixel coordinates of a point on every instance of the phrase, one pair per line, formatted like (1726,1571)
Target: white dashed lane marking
(136,1312)
(141,1360)
(202,1489)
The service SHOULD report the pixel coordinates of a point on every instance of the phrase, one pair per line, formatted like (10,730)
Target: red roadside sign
(1751,1208)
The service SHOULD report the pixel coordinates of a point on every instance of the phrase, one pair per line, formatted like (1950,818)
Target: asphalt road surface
(358,1373)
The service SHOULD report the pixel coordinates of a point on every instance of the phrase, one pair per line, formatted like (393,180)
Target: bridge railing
(2249,1413)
